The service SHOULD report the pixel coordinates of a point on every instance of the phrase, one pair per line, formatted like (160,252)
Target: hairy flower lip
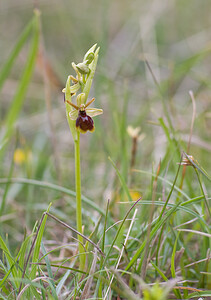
(84,122)
(83,115)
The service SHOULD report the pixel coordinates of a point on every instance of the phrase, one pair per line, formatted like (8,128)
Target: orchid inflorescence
(78,115)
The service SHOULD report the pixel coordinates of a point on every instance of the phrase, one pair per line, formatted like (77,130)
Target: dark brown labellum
(84,122)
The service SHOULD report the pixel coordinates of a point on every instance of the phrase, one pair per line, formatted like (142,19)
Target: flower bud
(83,68)
(89,58)
(81,99)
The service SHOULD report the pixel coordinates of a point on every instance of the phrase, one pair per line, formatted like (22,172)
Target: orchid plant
(80,120)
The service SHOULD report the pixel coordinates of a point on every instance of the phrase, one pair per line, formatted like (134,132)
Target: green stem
(78,200)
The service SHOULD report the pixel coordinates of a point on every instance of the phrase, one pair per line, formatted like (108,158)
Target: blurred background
(152,53)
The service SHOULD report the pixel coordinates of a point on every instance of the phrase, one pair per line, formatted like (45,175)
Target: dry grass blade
(196,232)
(44,278)
(193,119)
(78,233)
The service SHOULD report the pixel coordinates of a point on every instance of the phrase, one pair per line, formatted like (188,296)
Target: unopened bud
(83,68)
(81,99)
(89,58)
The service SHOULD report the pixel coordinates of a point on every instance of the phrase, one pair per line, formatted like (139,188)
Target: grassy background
(174,37)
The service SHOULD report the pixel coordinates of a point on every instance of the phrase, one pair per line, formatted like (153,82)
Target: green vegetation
(122,212)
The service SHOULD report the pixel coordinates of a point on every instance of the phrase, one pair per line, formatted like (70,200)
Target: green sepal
(69,108)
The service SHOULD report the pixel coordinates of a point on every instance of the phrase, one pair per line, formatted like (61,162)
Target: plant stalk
(82,256)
